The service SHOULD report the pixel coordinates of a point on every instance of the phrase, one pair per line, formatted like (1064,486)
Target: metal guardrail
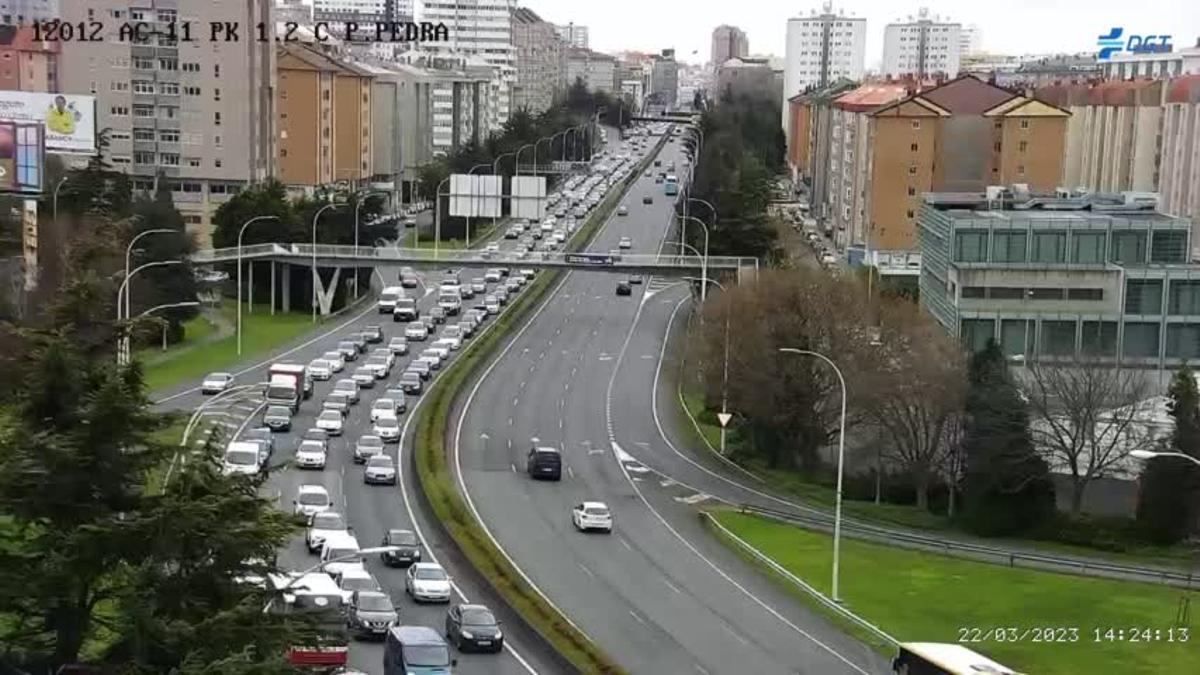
(1073,565)
(303,253)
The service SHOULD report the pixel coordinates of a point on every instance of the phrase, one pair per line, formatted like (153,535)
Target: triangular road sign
(724,418)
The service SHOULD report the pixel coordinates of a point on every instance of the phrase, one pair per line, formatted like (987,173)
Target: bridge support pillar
(287,287)
(250,289)
(274,273)
(325,294)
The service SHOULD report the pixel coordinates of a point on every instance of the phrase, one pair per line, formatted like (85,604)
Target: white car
(215,383)
(336,361)
(398,345)
(440,348)
(311,455)
(355,579)
(310,500)
(320,369)
(478,285)
(427,582)
(387,427)
(625,243)
(493,275)
(492,248)
(380,470)
(331,421)
(416,331)
(385,353)
(381,407)
(592,516)
(492,304)
(621,210)
(452,337)
(322,525)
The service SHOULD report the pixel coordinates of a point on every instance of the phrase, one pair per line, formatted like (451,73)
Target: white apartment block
(1179,169)
(575,36)
(483,29)
(195,115)
(1125,66)
(970,40)
(598,71)
(820,49)
(922,46)
(28,11)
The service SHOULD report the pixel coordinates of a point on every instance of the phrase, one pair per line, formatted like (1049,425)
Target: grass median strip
(1032,621)
(438,484)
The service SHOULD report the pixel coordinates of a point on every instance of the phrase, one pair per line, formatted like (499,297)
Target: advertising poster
(69,120)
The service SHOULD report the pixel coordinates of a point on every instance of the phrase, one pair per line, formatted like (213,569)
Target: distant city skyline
(1024,27)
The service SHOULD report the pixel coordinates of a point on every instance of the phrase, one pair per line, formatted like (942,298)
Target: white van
(340,545)
(388,298)
(450,299)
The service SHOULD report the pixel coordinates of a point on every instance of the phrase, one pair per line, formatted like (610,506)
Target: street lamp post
(549,138)
(54,201)
(473,202)
(517,159)
(350,556)
(704,259)
(122,291)
(495,170)
(242,231)
(169,305)
(437,217)
(837,512)
(725,366)
(1151,454)
(316,279)
(357,206)
(128,257)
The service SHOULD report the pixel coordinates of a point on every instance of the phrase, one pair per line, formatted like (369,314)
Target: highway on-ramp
(658,594)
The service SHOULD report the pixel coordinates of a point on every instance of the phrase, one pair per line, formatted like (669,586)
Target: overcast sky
(1008,26)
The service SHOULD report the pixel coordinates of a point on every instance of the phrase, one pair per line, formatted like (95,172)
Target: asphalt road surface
(372,510)
(659,594)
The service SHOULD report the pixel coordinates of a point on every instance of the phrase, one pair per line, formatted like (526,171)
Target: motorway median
(437,480)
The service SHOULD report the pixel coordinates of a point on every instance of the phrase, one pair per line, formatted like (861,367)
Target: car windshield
(374,602)
(220,377)
(426,655)
(371,442)
(337,397)
(430,574)
(380,462)
(311,446)
(359,584)
(347,345)
(402,538)
(318,364)
(349,554)
(595,511)
(344,385)
(363,372)
(330,415)
(328,521)
(410,377)
(387,422)
(242,457)
(315,435)
(278,411)
(478,617)
(313,498)
(452,331)
(384,404)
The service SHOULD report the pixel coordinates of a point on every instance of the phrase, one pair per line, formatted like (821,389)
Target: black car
(543,462)
(370,614)
(474,627)
(623,288)
(635,278)
(438,315)
(278,418)
(647,199)
(409,549)
(373,334)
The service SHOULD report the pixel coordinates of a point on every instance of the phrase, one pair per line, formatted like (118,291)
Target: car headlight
(468,634)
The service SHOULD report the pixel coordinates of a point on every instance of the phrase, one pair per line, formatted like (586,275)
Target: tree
(262,199)
(168,284)
(1086,417)
(1008,485)
(1166,510)
(916,395)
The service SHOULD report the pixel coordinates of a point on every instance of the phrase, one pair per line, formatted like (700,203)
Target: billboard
(69,120)
(21,157)
(474,196)
(528,197)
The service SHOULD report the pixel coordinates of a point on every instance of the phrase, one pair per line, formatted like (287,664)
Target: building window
(1057,338)
(1141,340)
(970,246)
(119,111)
(1129,247)
(169,159)
(216,94)
(1020,169)
(143,63)
(191,187)
(911,191)
(909,214)
(168,136)
(1184,297)
(216,70)
(1169,247)
(912,169)
(143,158)
(1023,146)
(1008,246)
(121,159)
(168,88)
(974,292)
(1049,247)
(192,91)
(119,86)
(325,95)
(143,134)
(283,152)
(1006,293)
(217,119)
(217,163)
(1024,124)
(975,333)
(1088,247)
(1085,293)
(913,147)
(1143,297)
(193,162)
(143,110)
(168,64)
(1046,293)
(217,140)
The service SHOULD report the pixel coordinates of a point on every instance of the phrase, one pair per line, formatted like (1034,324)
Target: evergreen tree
(1008,485)
(1167,494)
(168,284)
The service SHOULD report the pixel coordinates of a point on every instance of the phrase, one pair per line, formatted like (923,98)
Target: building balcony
(145,146)
(165,123)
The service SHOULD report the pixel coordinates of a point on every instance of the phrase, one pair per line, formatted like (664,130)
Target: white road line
(586,570)
(622,540)
(736,636)
(672,586)
(514,467)
(570,472)
(701,669)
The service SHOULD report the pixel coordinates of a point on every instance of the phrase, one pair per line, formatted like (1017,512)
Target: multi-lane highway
(658,594)
(372,510)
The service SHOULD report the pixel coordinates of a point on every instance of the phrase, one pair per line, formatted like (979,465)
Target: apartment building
(970,40)
(664,78)
(728,42)
(922,46)
(597,71)
(459,91)
(481,29)
(325,119)
(541,67)
(1053,276)
(822,48)
(362,11)
(809,138)
(749,77)
(574,35)
(849,143)
(28,11)
(26,65)
(197,115)
(1179,166)
(1124,65)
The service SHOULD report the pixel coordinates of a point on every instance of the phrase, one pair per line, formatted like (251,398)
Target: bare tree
(1086,416)
(916,394)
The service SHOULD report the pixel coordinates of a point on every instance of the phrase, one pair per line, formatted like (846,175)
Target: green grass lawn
(918,596)
(261,333)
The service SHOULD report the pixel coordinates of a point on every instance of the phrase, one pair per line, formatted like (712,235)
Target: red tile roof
(1184,89)
(967,95)
(870,96)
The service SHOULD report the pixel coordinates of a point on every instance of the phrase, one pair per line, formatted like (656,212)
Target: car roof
(598,505)
(360,572)
(417,635)
(309,487)
(337,539)
(427,566)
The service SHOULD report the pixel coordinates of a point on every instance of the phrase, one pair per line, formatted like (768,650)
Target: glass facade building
(1104,275)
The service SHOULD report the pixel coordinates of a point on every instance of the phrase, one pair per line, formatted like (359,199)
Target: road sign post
(723,418)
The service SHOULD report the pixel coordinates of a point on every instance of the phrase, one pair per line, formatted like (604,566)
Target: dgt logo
(1115,42)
